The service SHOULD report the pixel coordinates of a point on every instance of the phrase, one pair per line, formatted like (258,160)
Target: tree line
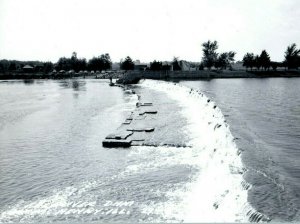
(291,59)
(102,62)
(14,65)
(155,65)
(211,58)
(224,60)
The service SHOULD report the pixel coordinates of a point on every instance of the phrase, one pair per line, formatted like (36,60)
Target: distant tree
(230,58)
(12,66)
(264,60)
(64,64)
(201,66)
(127,64)
(95,63)
(74,56)
(292,57)
(224,60)
(4,65)
(74,61)
(166,67)
(275,65)
(220,62)
(103,62)
(47,67)
(257,62)
(81,64)
(1,67)
(209,53)
(156,65)
(175,64)
(106,61)
(249,60)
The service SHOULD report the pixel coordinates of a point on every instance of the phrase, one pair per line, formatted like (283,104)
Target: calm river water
(54,168)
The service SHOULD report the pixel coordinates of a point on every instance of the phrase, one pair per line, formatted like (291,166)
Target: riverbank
(65,75)
(206,74)
(131,75)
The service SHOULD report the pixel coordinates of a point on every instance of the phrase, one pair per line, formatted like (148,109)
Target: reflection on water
(75,84)
(11,82)
(28,81)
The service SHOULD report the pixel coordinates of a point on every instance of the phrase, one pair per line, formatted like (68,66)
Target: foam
(68,203)
(58,203)
(217,193)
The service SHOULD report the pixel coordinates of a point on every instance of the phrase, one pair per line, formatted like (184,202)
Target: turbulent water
(264,117)
(241,165)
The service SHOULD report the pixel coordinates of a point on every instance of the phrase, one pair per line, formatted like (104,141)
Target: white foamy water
(218,193)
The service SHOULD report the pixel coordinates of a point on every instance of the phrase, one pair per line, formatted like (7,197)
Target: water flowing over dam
(188,158)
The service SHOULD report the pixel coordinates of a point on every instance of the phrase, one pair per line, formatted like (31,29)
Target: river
(54,168)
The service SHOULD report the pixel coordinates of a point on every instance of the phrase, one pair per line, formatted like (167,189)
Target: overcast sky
(145,29)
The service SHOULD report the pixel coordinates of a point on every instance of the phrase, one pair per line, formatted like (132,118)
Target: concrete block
(112,143)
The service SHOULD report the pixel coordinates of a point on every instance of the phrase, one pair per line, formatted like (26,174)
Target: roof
(28,67)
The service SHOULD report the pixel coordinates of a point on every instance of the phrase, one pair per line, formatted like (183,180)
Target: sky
(145,29)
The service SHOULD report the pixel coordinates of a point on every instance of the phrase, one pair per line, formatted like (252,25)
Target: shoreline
(213,74)
(162,75)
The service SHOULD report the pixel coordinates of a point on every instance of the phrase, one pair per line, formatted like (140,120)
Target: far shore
(199,74)
(213,74)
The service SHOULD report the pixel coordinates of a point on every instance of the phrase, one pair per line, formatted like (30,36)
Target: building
(188,66)
(28,68)
(138,66)
(238,66)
